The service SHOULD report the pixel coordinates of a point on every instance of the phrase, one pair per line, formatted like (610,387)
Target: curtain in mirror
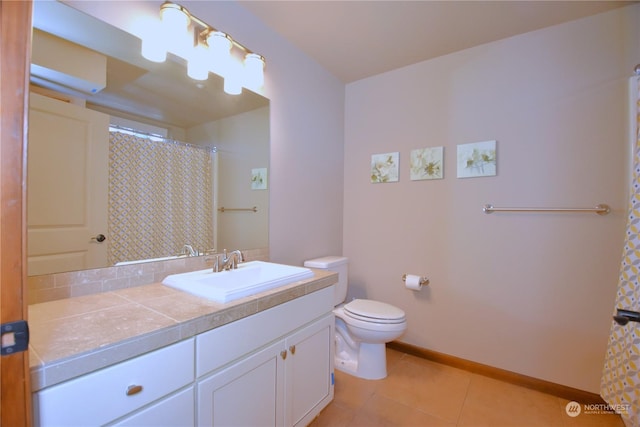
(160,197)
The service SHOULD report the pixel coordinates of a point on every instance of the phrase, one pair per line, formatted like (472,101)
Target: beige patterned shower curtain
(160,197)
(620,385)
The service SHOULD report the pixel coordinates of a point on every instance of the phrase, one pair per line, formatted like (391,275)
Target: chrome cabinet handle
(133,389)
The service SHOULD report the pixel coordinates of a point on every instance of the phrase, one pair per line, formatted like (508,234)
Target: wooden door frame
(15,54)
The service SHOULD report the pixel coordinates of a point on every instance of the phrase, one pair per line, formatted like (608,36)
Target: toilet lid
(374,311)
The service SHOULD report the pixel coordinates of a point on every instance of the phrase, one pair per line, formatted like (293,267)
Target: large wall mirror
(130,160)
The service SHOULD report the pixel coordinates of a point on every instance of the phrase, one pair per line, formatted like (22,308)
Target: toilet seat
(374,312)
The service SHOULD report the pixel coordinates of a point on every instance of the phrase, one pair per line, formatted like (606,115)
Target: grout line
(464,401)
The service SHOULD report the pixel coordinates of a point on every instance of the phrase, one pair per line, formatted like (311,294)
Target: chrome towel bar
(600,209)
(223,209)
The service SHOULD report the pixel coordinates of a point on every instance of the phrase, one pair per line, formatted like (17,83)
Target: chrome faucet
(188,251)
(228,261)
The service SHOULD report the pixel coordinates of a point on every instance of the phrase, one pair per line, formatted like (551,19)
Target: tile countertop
(75,336)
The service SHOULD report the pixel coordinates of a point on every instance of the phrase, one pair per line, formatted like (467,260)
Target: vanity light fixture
(204,48)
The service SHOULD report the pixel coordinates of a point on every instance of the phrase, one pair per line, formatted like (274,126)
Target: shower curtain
(160,197)
(620,385)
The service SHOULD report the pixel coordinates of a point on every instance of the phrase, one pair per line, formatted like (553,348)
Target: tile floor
(419,392)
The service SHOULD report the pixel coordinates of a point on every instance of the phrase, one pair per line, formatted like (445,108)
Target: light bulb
(175,29)
(197,66)
(233,78)
(220,52)
(153,44)
(254,71)
(174,18)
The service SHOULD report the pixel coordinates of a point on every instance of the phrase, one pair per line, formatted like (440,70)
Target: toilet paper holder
(424,280)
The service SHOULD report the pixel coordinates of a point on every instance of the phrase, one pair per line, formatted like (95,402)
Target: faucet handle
(216,262)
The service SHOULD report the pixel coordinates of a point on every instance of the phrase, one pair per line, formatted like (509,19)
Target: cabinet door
(248,393)
(174,411)
(309,371)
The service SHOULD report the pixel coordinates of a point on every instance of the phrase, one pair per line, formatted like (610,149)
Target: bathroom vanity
(260,360)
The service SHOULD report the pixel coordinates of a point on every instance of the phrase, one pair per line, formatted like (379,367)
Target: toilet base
(370,362)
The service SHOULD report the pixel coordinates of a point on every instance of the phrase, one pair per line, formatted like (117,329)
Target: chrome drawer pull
(133,389)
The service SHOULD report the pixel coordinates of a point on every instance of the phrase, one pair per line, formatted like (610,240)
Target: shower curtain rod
(161,138)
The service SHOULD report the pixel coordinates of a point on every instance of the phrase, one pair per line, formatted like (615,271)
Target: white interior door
(67,182)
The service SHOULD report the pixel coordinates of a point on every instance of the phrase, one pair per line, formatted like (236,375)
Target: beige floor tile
(491,402)
(383,412)
(428,387)
(351,392)
(593,418)
(393,357)
(421,393)
(334,415)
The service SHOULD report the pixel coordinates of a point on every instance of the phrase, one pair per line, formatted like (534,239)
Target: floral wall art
(384,167)
(259,179)
(477,159)
(426,163)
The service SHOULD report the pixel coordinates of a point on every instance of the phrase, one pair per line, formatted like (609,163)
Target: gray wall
(307,127)
(530,293)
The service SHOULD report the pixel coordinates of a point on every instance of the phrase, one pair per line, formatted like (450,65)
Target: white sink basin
(248,279)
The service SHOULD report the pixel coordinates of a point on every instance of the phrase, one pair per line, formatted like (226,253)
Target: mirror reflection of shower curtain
(620,385)
(160,197)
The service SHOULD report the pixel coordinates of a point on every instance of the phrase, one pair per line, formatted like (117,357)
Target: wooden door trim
(15,48)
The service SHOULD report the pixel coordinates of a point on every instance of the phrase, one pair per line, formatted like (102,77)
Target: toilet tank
(337,264)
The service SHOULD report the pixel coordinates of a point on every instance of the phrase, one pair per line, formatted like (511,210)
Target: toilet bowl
(362,327)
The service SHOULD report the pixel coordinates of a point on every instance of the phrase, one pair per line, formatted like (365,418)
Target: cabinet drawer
(227,343)
(174,411)
(100,397)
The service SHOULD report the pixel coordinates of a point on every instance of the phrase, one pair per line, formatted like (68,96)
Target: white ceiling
(358,39)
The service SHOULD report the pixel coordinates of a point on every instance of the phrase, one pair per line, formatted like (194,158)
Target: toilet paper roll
(413,282)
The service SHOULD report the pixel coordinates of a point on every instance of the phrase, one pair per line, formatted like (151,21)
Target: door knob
(99,238)
(625,316)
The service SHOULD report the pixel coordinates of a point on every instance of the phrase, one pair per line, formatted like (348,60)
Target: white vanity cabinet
(105,396)
(309,371)
(272,368)
(173,411)
(286,383)
(248,393)
(284,377)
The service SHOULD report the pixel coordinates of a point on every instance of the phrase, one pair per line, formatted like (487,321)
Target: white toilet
(362,326)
